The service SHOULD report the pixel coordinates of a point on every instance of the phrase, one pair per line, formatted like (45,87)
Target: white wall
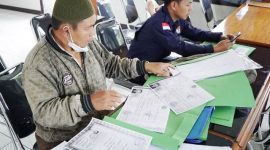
(141,9)
(27,4)
(221,11)
(48,6)
(119,11)
(120,14)
(198,19)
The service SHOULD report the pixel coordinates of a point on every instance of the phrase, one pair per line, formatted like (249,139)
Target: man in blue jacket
(159,36)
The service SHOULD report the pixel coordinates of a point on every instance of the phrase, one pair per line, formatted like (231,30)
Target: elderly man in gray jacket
(64,74)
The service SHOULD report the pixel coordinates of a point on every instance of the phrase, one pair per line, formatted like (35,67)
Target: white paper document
(100,135)
(242,12)
(118,88)
(174,71)
(180,93)
(144,109)
(218,65)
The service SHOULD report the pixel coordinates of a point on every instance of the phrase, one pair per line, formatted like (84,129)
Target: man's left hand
(159,69)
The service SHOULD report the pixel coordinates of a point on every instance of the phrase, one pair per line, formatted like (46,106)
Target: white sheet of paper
(174,71)
(118,88)
(180,93)
(242,12)
(185,146)
(106,136)
(222,64)
(144,109)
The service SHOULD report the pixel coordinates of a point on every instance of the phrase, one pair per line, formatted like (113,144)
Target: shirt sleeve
(116,67)
(198,35)
(172,42)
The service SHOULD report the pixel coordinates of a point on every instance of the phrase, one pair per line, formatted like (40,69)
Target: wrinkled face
(84,33)
(182,9)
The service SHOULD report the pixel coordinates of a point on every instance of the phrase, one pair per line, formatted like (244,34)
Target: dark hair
(167,2)
(56,23)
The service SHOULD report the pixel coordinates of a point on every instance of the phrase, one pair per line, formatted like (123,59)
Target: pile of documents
(148,107)
(100,135)
(146,122)
(224,63)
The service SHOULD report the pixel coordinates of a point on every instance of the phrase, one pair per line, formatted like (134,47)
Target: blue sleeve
(172,42)
(196,34)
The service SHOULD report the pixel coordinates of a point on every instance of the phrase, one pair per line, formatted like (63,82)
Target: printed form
(180,93)
(225,63)
(144,109)
(106,136)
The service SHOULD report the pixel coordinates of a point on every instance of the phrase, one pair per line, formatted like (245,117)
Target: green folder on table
(229,90)
(223,116)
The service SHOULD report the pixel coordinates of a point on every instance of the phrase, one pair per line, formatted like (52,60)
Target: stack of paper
(106,136)
(222,64)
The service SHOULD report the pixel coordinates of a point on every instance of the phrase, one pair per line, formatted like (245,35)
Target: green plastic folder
(223,116)
(178,127)
(229,90)
(205,131)
(235,46)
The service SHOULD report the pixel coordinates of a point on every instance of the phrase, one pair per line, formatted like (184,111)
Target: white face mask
(75,47)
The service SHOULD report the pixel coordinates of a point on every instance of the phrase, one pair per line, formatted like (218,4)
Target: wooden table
(254,25)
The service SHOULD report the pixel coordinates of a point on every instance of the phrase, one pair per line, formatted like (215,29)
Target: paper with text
(144,109)
(180,93)
(106,136)
(222,64)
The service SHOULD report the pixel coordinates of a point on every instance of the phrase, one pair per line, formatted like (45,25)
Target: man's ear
(65,29)
(173,5)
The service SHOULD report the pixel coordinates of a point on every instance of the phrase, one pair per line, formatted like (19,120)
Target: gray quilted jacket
(58,89)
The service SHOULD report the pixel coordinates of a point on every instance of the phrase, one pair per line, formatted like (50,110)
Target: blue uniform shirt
(158,37)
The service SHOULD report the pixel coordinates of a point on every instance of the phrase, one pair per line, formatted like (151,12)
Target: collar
(53,43)
(168,19)
(50,33)
(57,46)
